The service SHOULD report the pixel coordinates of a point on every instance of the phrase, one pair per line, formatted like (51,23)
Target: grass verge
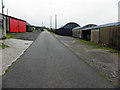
(97,46)
(4,46)
(8,36)
(86,62)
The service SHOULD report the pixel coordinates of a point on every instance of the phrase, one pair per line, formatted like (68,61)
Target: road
(49,64)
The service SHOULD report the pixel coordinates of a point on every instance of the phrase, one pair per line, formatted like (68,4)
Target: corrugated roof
(104,25)
(13,17)
(86,26)
(77,28)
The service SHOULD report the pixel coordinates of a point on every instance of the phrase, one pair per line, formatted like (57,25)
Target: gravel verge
(103,61)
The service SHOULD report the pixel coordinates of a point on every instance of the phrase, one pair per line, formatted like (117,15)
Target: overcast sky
(80,11)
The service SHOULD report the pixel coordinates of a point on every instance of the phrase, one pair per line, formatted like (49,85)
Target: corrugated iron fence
(109,36)
(106,36)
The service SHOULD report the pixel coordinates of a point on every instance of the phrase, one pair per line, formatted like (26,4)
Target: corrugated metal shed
(77,28)
(67,29)
(104,25)
(13,17)
(86,26)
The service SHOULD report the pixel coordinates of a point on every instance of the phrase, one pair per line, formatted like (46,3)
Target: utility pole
(7,11)
(42,23)
(3,29)
(2,7)
(119,11)
(55,21)
(50,22)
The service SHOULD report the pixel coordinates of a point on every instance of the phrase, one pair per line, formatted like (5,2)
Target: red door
(22,26)
(13,25)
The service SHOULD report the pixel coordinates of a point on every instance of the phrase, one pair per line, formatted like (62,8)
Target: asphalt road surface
(49,64)
(26,35)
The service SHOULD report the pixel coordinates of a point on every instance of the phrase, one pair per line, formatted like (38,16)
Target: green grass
(4,46)
(97,46)
(8,36)
(35,31)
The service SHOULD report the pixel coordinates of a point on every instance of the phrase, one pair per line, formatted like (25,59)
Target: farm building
(107,34)
(12,24)
(67,29)
(77,32)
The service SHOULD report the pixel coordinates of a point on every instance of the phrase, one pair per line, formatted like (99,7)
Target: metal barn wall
(22,26)
(104,36)
(73,33)
(17,25)
(95,36)
(76,33)
(13,25)
(114,37)
(109,36)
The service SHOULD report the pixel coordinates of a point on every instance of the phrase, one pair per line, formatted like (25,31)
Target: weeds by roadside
(97,46)
(8,36)
(4,46)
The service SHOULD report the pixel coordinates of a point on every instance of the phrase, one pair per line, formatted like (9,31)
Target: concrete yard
(13,52)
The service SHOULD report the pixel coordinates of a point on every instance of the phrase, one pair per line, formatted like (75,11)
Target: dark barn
(67,29)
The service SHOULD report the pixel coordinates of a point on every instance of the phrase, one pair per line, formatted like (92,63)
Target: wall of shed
(95,36)
(17,25)
(109,36)
(22,26)
(14,25)
(104,36)
(64,32)
(77,33)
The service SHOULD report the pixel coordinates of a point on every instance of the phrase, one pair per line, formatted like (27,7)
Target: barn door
(22,26)
(14,25)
